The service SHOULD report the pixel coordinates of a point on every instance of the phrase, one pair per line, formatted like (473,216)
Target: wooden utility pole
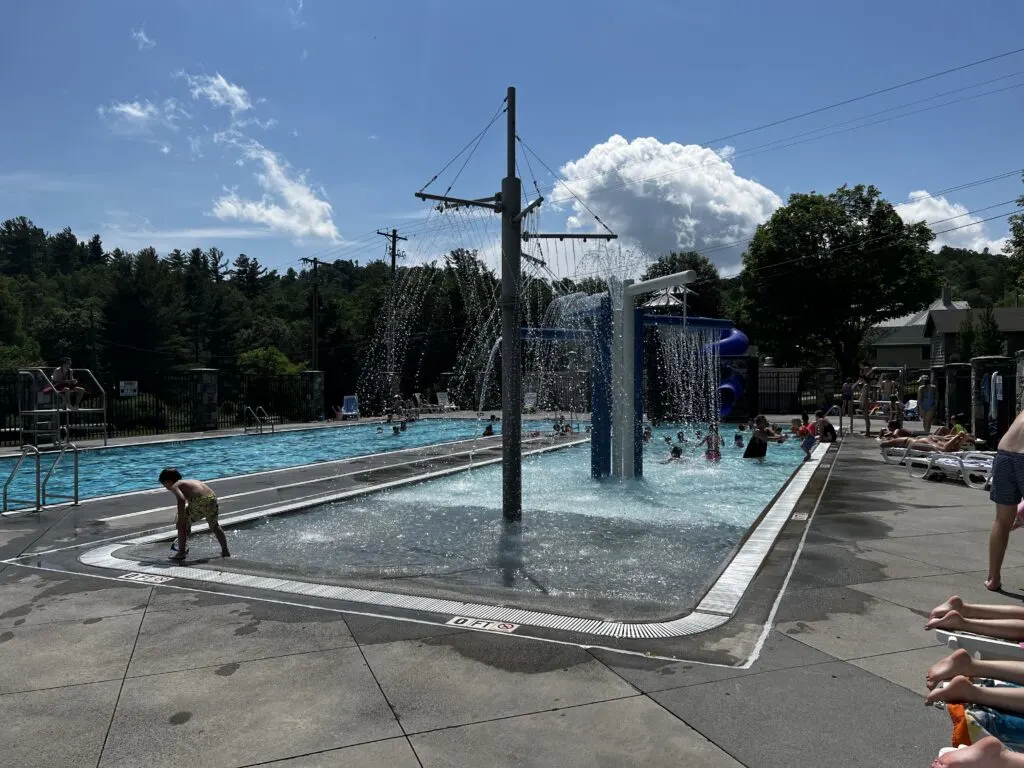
(393,237)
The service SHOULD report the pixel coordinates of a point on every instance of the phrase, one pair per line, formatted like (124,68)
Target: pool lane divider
(715,609)
(325,478)
(488,443)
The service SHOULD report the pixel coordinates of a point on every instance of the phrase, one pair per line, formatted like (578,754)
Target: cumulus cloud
(143,116)
(219,92)
(295,13)
(940,213)
(667,197)
(144,43)
(289,205)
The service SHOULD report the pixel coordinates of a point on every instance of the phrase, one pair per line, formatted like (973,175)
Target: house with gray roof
(942,329)
(902,342)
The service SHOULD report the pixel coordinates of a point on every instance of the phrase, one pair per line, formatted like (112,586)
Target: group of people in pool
(808,432)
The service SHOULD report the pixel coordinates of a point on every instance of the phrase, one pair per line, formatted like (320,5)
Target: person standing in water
(760,436)
(713,441)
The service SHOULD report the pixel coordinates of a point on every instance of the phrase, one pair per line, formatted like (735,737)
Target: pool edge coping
(717,606)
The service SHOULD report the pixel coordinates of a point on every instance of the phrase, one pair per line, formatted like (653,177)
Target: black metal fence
(140,405)
(796,390)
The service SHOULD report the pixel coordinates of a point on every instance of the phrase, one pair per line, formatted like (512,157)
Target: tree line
(815,279)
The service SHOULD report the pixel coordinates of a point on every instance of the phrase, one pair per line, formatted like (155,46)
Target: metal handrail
(63,449)
(266,416)
(62,404)
(26,450)
(257,426)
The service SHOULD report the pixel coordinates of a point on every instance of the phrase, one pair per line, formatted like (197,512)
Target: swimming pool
(612,548)
(104,471)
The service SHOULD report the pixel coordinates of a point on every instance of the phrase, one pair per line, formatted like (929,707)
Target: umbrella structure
(669,298)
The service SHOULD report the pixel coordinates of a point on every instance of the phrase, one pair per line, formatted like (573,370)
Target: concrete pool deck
(107,672)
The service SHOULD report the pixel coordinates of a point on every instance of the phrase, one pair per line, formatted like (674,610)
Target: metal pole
(511,345)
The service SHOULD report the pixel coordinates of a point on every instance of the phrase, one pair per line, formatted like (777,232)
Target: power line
(869,95)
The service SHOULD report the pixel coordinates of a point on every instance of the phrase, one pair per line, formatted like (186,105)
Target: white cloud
(219,92)
(143,116)
(941,214)
(144,43)
(164,240)
(195,145)
(165,149)
(264,124)
(288,205)
(665,197)
(372,137)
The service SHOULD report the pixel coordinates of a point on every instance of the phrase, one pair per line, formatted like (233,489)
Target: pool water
(132,468)
(613,548)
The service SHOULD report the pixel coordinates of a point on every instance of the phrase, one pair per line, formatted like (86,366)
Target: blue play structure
(734,343)
(598,331)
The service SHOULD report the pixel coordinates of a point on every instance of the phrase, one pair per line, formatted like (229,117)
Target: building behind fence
(190,401)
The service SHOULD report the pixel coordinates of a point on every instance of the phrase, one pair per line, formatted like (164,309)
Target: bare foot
(957,663)
(953,604)
(959,691)
(952,620)
(993,585)
(986,753)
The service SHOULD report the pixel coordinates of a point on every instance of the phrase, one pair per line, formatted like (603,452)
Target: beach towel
(973,722)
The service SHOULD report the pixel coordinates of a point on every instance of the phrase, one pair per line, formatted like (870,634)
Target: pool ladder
(42,498)
(260,418)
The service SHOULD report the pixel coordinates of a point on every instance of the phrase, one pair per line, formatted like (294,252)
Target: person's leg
(181,523)
(1006,493)
(926,420)
(961,690)
(960,663)
(988,752)
(217,531)
(1000,629)
(977,610)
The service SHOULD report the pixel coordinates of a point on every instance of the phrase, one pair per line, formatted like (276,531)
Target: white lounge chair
(422,404)
(350,407)
(973,467)
(980,647)
(443,403)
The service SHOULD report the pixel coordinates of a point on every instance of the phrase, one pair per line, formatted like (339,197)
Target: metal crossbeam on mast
(508,203)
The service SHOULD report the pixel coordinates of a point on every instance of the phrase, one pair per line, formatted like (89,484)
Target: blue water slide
(733,343)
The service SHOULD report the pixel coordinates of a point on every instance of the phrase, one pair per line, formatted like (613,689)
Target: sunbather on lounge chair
(950,444)
(960,690)
(985,753)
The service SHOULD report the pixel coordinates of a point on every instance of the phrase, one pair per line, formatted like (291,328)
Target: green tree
(825,269)
(1014,248)
(989,339)
(966,339)
(266,361)
(706,299)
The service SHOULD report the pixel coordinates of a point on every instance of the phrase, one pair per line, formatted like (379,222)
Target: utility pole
(508,203)
(315,359)
(393,237)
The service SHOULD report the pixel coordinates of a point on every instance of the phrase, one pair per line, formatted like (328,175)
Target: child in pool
(713,441)
(195,502)
(676,454)
(737,439)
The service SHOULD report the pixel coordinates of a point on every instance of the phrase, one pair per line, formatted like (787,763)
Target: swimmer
(807,435)
(757,448)
(737,439)
(380,430)
(489,430)
(402,426)
(713,441)
(681,436)
(668,440)
(396,431)
(676,454)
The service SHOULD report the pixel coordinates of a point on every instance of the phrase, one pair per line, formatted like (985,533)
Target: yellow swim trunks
(205,507)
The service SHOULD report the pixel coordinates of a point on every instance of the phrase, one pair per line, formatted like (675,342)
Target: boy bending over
(195,502)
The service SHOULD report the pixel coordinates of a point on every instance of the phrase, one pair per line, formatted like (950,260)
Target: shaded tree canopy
(706,299)
(825,269)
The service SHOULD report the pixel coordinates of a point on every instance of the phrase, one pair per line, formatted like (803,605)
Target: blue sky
(283,129)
